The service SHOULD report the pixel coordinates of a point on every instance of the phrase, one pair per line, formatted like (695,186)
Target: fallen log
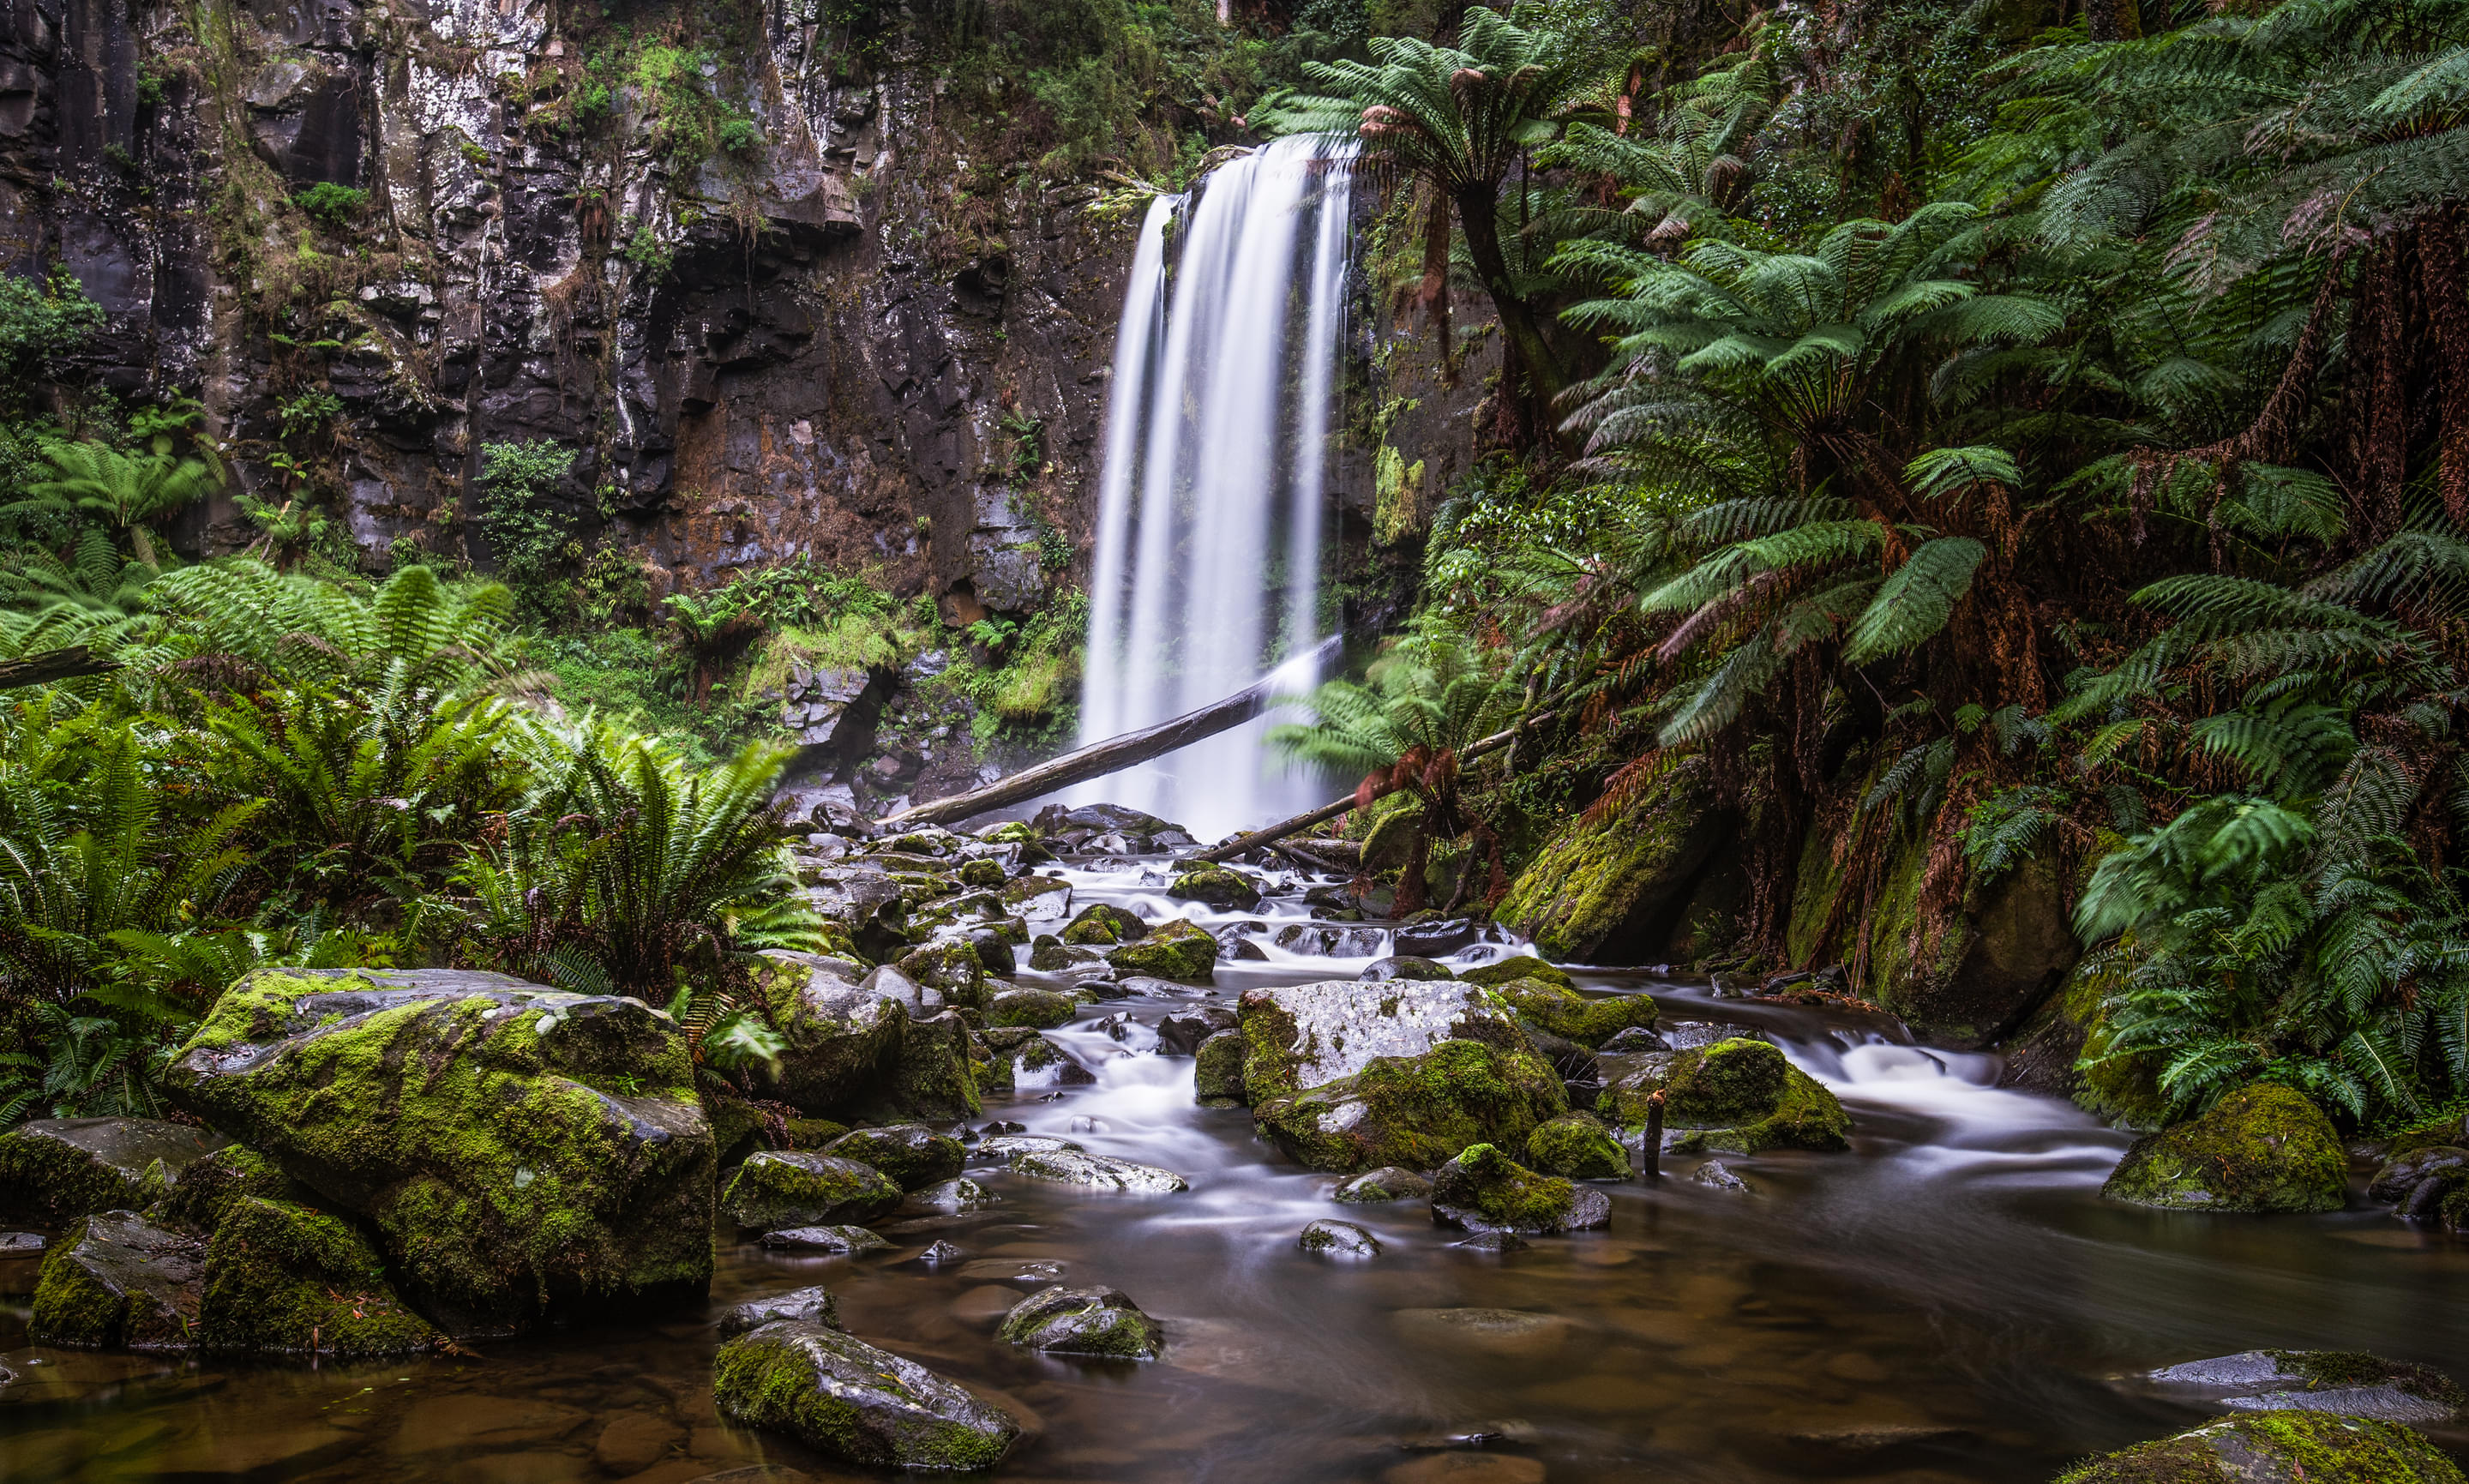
(52,664)
(1115,753)
(1329,811)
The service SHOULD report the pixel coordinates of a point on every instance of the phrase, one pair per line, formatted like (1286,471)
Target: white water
(1208,528)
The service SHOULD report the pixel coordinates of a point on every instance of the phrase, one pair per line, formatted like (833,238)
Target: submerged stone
(56,1169)
(845,1239)
(1485,1190)
(281,1278)
(1714,1174)
(1097,1172)
(806,1306)
(914,1155)
(1386,1183)
(1576,1146)
(118,1280)
(1099,1322)
(784,1188)
(1216,886)
(1415,1111)
(2277,1448)
(2261,1149)
(1339,1239)
(856,1403)
(1177,949)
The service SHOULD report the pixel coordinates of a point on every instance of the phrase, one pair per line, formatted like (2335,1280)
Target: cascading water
(1208,559)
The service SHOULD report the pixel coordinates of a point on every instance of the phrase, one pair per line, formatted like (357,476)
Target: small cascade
(1208,560)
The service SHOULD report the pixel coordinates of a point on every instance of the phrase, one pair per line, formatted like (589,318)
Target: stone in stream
(1524,966)
(502,1142)
(2277,1448)
(1429,939)
(914,1155)
(1038,901)
(1176,949)
(2350,1382)
(2401,1177)
(2262,1149)
(1485,1190)
(1632,1040)
(1050,955)
(1217,1080)
(1216,886)
(844,1036)
(1576,1146)
(1105,925)
(952,970)
(940,1254)
(848,1240)
(1181,1036)
(283,1279)
(1039,1063)
(1237,944)
(934,1077)
(1339,1239)
(1387,1183)
(958,1194)
(1717,1175)
(1412,1110)
(1097,1172)
(1737,1096)
(1570,1016)
(1041,1009)
(809,1305)
(856,1403)
(56,1169)
(1002,1146)
(1319,939)
(1096,1322)
(116,1280)
(1403,967)
(1307,1035)
(22,1244)
(784,1188)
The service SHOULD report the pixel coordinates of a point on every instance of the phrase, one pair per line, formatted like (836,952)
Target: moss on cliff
(1588,881)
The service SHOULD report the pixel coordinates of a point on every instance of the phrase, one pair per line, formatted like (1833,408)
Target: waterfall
(1207,571)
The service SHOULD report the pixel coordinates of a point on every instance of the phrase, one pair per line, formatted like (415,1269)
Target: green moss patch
(2277,1448)
(778,1189)
(1416,1111)
(1178,949)
(283,1279)
(853,1401)
(1484,1188)
(2261,1149)
(1523,967)
(1217,886)
(1575,1145)
(1096,1322)
(1104,925)
(1570,1016)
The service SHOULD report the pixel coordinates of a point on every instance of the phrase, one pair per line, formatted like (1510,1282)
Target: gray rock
(1328,940)
(1040,1063)
(22,1244)
(2400,1178)
(846,1239)
(854,1402)
(1097,1171)
(960,1194)
(940,1254)
(1629,1040)
(1096,1322)
(1719,1175)
(1386,1183)
(55,1169)
(1697,1034)
(117,1281)
(1485,1190)
(1003,1147)
(1404,966)
(2383,1403)
(1335,1026)
(810,1306)
(2344,1381)
(1431,939)
(1339,1239)
(1181,1036)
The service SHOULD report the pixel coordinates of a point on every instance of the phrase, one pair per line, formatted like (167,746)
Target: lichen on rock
(2261,1149)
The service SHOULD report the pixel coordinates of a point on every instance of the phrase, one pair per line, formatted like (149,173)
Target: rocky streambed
(1066,1217)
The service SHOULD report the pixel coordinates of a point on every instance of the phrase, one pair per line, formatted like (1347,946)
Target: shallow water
(1951,1301)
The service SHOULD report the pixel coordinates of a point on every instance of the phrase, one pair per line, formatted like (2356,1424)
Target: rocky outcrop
(1613,891)
(2261,1149)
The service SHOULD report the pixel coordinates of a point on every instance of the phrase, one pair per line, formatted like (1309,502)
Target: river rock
(848,1240)
(940,1254)
(1216,886)
(2418,1179)
(843,1038)
(1040,1063)
(914,1155)
(1403,967)
(953,1195)
(998,1147)
(1039,901)
(934,1077)
(1576,1146)
(1387,1183)
(952,970)
(1052,954)
(1714,1174)
(1326,941)
(208,1187)
(116,1280)
(805,1306)
(1181,1036)
(1485,1190)
(2264,1148)
(22,1244)
(2350,1382)
(1631,1041)
(1307,1035)
(1240,943)
(504,1142)
(1176,949)
(1415,1111)
(1433,938)
(848,1399)
(1524,966)
(1339,1239)
(1105,925)
(1217,1079)
(1572,1016)
(1098,1322)
(1493,1241)
(780,1188)
(1738,1096)
(281,1279)
(56,1169)
(1040,1009)
(1097,1172)
(2277,1448)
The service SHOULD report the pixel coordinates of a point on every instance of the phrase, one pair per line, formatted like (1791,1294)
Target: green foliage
(530,537)
(43,320)
(337,206)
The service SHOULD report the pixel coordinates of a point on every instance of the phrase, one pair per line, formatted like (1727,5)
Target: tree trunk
(52,664)
(1478,212)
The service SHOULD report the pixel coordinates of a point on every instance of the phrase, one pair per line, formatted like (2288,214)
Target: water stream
(1950,1301)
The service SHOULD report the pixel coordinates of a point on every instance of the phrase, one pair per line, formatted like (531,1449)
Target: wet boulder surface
(1737,1096)
(805,1306)
(2277,1448)
(56,1169)
(912,1155)
(1483,1189)
(118,1280)
(790,1188)
(509,1147)
(1097,1323)
(855,1402)
(2262,1149)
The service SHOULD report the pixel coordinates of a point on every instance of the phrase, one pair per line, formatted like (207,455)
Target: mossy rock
(207,1189)
(1484,1190)
(1417,1111)
(116,1280)
(281,1279)
(914,1155)
(1728,1084)
(936,1076)
(2277,1448)
(1570,1016)
(2261,1149)
(56,1169)
(984,874)
(1178,950)
(507,1144)
(1104,925)
(1392,839)
(1378,1186)
(843,1040)
(852,1402)
(1737,1096)
(781,1187)
(1050,954)
(1094,1322)
(1601,884)
(1216,886)
(1039,1009)
(952,969)
(1575,1145)
(1523,967)
(1217,1080)
(1404,966)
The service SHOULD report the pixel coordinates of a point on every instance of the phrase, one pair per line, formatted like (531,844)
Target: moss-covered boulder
(1176,949)
(784,1188)
(934,1077)
(2277,1448)
(510,1146)
(56,1169)
(2261,1149)
(1040,1009)
(1038,901)
(850,1400)
(1104,925)
(1524,965)
(1391,839)
(1575,1145)
(1306,1035)
(1417,1111)
(207,1189)
(984,872)
(843,1039)
(1570,1016)
(1610,891)
(2349,1381)
(1217,1080)
(1050,955)
(1738,1096)
(1037,1063)
(1484,1190)
(952,970)
(116,1280)
(281,1279)
(914,1155)
(811,1133)
(1403,966)
(1096,1322)
(1217,886)
(1379,1187)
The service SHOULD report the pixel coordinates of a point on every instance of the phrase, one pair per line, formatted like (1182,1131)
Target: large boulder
(1098,1322)
(1041,1009)
(852,1402)
(283,1279)
(117,1280)
(1104,925)
(2261,1149)
(1416,1110)
(2277,1448)
(843,1039)
(914,1155)
(1298,1036)
(1738,1096)
(934,1077)
(1572,1016)
(1216,886)
(1177,949)
(784,1188)
(1217,1080)
(208,1187)
(57,1169)
(510,1146)
(1483,1189)
(1064,1163)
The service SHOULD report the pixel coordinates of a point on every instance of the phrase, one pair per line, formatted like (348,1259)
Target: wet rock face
(1066,1164)
(2350,1382)
(504,1142)
(56,1169)
(1338,1239)
(2277,1448)
(1177,949)
(1385,1184)
(854,1402)
(2261,1149)
(806,1306)
(118,1280)
(1485,1190)
(1096,1322)
(787,1189)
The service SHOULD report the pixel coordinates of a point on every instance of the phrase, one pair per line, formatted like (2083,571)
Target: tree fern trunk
(1478,214)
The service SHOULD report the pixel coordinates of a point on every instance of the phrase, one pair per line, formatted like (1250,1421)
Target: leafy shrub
(337,206)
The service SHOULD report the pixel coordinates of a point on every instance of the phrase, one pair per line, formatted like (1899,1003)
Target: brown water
(1951,1301)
